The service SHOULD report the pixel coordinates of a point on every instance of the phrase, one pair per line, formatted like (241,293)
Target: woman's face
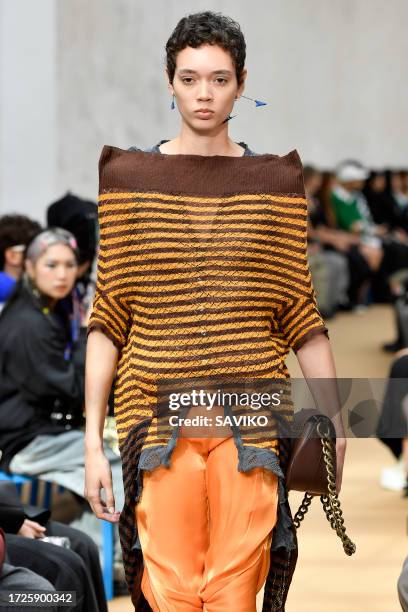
(378,182)
(314,183)
(396,182)
(54,272)
(205,78)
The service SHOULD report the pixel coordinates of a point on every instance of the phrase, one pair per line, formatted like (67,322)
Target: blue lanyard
(74,325)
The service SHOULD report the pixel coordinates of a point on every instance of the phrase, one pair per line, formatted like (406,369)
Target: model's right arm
(108,329)
(101,360)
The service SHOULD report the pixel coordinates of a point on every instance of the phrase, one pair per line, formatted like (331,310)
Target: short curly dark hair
(207,28)
(14,230)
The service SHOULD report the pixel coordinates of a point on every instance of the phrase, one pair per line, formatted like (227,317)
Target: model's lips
(204,112)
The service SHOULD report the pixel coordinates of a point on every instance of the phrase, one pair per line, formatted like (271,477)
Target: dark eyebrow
(188,71)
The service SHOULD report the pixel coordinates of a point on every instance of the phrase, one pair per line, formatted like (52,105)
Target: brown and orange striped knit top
(202,271)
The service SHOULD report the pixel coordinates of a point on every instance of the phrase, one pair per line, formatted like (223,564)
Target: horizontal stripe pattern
(202,273)
(200,286)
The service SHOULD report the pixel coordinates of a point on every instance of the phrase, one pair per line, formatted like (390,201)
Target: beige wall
(28,131)
(333,74)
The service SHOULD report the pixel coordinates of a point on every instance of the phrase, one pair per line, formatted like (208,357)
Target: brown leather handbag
(312,468)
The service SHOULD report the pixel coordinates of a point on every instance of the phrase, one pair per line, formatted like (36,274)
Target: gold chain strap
(330,502)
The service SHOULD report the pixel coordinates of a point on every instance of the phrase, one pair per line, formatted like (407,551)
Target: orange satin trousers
(205,529)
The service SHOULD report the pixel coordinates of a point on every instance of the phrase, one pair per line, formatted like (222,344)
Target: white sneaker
(394,478)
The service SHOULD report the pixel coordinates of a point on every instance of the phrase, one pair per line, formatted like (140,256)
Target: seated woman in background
(323,228)
(41,349)
(42,369)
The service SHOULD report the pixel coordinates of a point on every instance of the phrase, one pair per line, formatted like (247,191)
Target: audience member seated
(74,569)
(392,428)
(16,232)
(404,183)
(42,356)
(80,217)
(390,248)
(382,207)
(17,579)
(42,381)
(323,229)
(350,205)
(399,287)
(329,268)
(396,188)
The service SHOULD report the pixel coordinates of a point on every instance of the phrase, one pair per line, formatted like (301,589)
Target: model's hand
(341,444)
(98,476)
(31,529)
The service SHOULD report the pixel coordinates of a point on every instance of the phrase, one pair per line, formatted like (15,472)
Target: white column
(28,147)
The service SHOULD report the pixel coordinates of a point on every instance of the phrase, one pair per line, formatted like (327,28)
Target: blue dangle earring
(257,103)
(172,105)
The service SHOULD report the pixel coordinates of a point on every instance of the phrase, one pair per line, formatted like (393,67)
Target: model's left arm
(306,333)
(315,358)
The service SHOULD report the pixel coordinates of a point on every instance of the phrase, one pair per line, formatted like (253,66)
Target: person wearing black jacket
(16,579)
(42,352)
(42,364)
(75,569)
(42,369)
